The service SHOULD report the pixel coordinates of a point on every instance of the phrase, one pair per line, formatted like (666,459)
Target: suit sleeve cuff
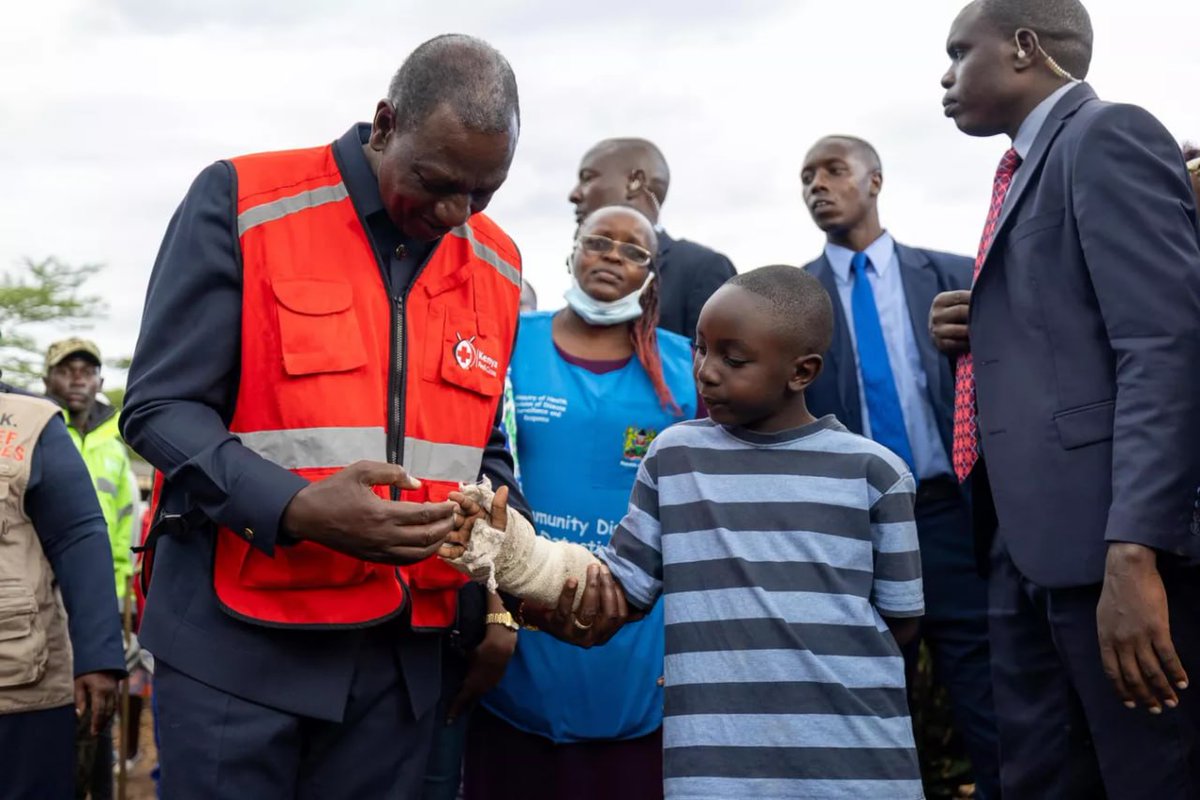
(114,664)
(257,516)
(1173,537)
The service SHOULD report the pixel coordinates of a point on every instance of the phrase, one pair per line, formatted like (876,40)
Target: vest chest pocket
(23,644)
(318,327)
(472,355)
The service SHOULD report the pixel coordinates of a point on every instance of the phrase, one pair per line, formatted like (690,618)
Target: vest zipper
(398,381)
(399,387)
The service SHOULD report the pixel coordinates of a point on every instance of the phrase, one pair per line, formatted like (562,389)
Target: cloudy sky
(108,109)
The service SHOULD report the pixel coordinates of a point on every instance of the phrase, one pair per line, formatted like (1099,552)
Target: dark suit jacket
(688,274)
(924,274)
(1085,329)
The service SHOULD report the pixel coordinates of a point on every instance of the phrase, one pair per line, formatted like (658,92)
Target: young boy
(783,547)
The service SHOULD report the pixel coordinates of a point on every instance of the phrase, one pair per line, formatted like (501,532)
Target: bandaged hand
(471,508)
(497,546)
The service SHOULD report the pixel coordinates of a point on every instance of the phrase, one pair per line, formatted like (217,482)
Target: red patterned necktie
(966,430)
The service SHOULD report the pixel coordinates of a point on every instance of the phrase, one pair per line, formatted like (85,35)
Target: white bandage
(517,560)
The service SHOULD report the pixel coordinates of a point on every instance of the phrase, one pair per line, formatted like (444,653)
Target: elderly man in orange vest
(323,352)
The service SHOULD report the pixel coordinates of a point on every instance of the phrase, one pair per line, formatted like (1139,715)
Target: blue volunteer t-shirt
(581,438)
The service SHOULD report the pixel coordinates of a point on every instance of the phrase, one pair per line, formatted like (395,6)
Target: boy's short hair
(797,300)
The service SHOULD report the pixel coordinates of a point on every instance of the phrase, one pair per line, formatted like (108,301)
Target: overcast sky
(109,108)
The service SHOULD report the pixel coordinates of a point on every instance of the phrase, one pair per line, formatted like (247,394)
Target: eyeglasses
(1193,166)
(602,245)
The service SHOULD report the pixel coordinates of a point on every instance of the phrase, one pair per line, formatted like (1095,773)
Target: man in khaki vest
(54,560)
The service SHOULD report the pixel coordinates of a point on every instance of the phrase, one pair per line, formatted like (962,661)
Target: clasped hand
(602,608)
(948,322)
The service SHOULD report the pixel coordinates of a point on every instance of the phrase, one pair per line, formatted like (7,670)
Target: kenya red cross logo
(464,352)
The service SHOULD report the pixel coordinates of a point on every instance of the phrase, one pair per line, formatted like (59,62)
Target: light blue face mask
(605,312)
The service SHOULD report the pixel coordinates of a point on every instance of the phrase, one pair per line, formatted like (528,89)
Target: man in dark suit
(1078,413)
(247,707)
(884,379)
(633,172)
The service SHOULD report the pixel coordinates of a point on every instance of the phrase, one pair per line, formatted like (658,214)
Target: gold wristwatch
(504,618)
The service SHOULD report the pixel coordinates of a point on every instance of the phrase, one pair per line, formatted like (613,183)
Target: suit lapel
(1031,166)
(920,286)
(840,358)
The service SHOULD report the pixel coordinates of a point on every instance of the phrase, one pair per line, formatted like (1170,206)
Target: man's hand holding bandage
(496,545)
(569,587)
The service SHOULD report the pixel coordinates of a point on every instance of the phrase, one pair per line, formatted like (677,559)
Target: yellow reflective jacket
(116,487)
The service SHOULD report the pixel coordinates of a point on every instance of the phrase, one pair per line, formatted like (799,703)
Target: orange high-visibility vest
(333,371)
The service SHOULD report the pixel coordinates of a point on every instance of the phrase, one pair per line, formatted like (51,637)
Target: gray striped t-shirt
(776,555)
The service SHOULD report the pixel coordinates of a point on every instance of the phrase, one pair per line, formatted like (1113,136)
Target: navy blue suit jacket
(924,274)
(1085,329)
(688,274)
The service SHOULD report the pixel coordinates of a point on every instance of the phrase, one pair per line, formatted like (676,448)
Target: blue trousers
(216,745)
(1064,733)
(955,629)
(37,750)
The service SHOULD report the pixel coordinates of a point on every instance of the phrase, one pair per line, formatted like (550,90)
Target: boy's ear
(805,370)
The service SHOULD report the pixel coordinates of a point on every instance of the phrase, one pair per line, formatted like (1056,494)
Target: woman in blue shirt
(593,385)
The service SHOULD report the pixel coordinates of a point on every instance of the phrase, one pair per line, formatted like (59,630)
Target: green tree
(40,292)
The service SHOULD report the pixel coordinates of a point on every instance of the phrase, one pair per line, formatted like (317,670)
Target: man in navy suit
(1078,413)
(253,710)
(633,172)
(884,379)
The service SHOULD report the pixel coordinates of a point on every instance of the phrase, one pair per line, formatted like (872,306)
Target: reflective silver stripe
(277,209)
(318,447)
(442,462)
(125,511)
(106,486)
(313,448)
(485,253)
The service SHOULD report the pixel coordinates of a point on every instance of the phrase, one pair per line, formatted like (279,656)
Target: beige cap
(61,351)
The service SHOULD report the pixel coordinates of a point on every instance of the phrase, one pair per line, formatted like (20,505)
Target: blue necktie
(879,385)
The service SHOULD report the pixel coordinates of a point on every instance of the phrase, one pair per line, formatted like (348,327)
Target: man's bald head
(622,171)
(464,73)
(638,154)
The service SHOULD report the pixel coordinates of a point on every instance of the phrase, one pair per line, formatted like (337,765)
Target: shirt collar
(879,252)
(360,181)
(1028,132)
